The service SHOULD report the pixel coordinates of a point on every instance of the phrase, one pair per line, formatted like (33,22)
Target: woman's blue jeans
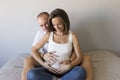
(40,73)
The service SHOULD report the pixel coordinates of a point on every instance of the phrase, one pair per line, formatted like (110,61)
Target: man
(30,62)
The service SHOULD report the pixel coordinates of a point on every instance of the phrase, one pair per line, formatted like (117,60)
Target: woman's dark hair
(63,15)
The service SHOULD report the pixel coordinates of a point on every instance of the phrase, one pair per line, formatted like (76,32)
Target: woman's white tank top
(63,51)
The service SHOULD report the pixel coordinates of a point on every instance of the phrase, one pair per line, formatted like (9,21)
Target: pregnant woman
(63,41)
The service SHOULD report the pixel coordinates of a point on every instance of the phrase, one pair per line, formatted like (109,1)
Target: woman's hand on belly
(49,68)
(63,68)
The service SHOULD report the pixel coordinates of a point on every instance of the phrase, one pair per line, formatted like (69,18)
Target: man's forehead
(44,16)
(42,21)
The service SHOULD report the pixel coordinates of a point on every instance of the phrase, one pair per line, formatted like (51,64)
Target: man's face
(43,22)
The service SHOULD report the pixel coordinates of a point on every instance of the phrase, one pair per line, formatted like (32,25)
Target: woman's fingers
(52,69)
(60,71)
(63,68)
(48,67)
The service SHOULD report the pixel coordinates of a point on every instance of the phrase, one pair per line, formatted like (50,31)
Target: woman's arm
(78,57)
(77,51)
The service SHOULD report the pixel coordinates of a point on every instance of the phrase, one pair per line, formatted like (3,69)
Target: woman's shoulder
(74,36)
(73,33)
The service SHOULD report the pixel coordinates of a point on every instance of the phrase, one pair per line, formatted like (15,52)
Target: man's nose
(44,26)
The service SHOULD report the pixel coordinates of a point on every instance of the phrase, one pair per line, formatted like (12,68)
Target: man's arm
(37,55)
(38,37)
(50,57)
(73,56)
(35,50)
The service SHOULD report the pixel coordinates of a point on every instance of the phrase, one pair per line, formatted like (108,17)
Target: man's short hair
(42,13)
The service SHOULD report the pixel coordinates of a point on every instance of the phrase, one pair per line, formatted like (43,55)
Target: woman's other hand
(49,68)
(63,68)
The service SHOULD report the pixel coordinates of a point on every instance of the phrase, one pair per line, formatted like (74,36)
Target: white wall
(97,23)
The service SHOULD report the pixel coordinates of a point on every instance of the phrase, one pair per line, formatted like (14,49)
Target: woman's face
(58,24)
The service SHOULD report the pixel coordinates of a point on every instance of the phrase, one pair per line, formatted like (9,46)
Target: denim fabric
(39,74)
(77,73)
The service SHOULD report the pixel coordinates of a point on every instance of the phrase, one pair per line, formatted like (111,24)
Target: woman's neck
(59,33)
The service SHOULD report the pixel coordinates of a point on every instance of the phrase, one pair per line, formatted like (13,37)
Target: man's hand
(50,57)
(65,62)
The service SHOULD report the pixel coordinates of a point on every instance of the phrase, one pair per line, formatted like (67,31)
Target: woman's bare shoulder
(74,35)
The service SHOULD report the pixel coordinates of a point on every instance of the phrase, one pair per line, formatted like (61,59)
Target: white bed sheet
(105,65)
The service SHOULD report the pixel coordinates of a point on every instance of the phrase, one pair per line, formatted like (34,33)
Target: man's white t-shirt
(39,35)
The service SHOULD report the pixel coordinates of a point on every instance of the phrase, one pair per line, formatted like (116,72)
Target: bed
(105,65)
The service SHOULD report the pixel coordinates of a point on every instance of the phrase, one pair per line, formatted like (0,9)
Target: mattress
(105,66)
